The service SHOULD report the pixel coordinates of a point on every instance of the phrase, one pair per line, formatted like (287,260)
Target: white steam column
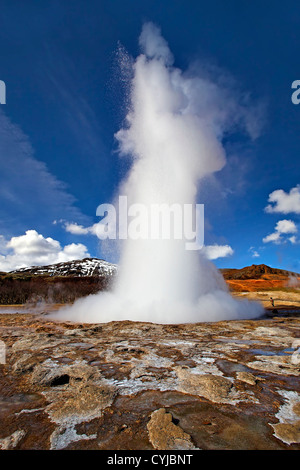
(173,133)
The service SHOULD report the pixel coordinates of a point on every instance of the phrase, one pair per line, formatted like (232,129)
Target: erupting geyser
(174,130)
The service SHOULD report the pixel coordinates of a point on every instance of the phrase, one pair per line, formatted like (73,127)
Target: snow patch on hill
(80,268)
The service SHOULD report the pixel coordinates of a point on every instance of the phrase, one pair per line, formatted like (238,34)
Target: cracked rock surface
(130,385)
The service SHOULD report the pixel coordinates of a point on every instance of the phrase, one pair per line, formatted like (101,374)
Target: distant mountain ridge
(65,282)
(256,271)
(57,283)
(86,267)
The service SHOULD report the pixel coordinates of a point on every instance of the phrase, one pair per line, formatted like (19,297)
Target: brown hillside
(260,271)
(256,285)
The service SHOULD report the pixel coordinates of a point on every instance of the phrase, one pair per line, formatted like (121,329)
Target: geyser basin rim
(106,307)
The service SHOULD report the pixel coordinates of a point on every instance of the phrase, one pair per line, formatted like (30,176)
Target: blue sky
(65,100)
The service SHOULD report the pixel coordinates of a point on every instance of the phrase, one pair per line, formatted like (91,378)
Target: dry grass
(282,298)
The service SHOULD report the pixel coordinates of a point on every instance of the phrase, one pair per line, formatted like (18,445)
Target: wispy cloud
(29,192)
(254,253)
(62,80)
(76,229)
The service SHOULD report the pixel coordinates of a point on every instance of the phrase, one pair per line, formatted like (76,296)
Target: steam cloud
(173,134)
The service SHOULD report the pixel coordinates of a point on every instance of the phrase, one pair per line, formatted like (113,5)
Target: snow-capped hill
(78,268)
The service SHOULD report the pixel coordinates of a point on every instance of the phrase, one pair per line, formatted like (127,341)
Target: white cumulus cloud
(286,226)
(283,202)
(33,249)
(217,251)
(282,227)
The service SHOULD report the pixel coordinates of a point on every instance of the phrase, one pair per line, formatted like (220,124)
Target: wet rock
(286,432)
(165,435)
(79,403)
(275,364)
(82,399)
(246,377)
(271,331)
(24,363)
(213,387)
(37,341)
(288,428)
(295,359)
(53,374)
(11,441)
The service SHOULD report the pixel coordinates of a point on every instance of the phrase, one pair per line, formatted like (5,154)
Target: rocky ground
(127,385)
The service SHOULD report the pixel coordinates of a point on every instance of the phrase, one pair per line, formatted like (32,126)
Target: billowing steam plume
(173,133)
